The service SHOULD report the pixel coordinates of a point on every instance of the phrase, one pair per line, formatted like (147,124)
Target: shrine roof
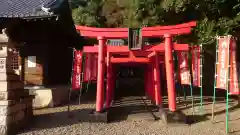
(28,8)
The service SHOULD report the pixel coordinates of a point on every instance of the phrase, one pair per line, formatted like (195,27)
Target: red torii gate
(105,56)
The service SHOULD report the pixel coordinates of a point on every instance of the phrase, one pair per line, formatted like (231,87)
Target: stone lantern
(15,102)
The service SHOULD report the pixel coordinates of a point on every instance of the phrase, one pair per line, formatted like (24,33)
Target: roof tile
(24,8)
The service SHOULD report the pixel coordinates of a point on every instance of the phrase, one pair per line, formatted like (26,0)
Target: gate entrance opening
(129,81)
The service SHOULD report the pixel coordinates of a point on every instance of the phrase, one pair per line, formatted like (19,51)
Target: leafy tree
(215,17)
(114,13)
(89,13)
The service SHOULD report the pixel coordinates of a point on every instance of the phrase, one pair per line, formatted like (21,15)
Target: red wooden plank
(130,60)
(151,54)
(134,60)
(161,59)
(124,49)
(124,34)
(178,26)
(135,53)
(155,28)
(160,47)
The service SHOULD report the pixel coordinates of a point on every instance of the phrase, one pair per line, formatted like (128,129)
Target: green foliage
(222,19)
(215,17)
(89,13)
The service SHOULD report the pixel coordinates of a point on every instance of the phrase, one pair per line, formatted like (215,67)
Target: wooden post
(156,78)
(170,73)
(109,81)
(100,77)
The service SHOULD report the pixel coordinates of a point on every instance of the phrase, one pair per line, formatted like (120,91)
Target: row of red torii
(149,55)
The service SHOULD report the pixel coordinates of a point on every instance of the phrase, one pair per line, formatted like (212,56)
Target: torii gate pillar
(101,71)
(170,73)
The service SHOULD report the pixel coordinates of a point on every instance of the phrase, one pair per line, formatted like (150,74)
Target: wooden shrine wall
(44,53)
(34,62)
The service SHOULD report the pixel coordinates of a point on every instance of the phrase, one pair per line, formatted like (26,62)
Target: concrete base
(99,117)
(169,117)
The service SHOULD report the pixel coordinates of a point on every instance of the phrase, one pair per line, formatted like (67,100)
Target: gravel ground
(55,121)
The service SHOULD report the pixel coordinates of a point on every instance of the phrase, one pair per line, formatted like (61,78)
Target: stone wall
(15,102)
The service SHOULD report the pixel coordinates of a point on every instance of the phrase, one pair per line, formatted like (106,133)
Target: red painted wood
(100,77)
(124,49)
(136,59)
(121,34)
(156,31)
(151,81)
(113,84)
(184,25)
(135,53)
(130,60)
(151,54)
(109,81)
(131,54)
(170,73)
(156,78)
(148,82)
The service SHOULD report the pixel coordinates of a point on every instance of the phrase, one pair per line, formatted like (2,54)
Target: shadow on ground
(58,119)
(117,114)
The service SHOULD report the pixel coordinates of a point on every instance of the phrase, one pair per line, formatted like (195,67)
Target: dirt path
(55,121)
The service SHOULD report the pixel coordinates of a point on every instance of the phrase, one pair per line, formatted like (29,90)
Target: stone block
(4,130)
(50,97)
(14,128)
(10,119)
(7,102)
(9,77)
(8,110)
(99,117)
(43,98)
(11,85)
(13,95)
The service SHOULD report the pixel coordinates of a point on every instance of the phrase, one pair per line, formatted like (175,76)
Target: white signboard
(31,61)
